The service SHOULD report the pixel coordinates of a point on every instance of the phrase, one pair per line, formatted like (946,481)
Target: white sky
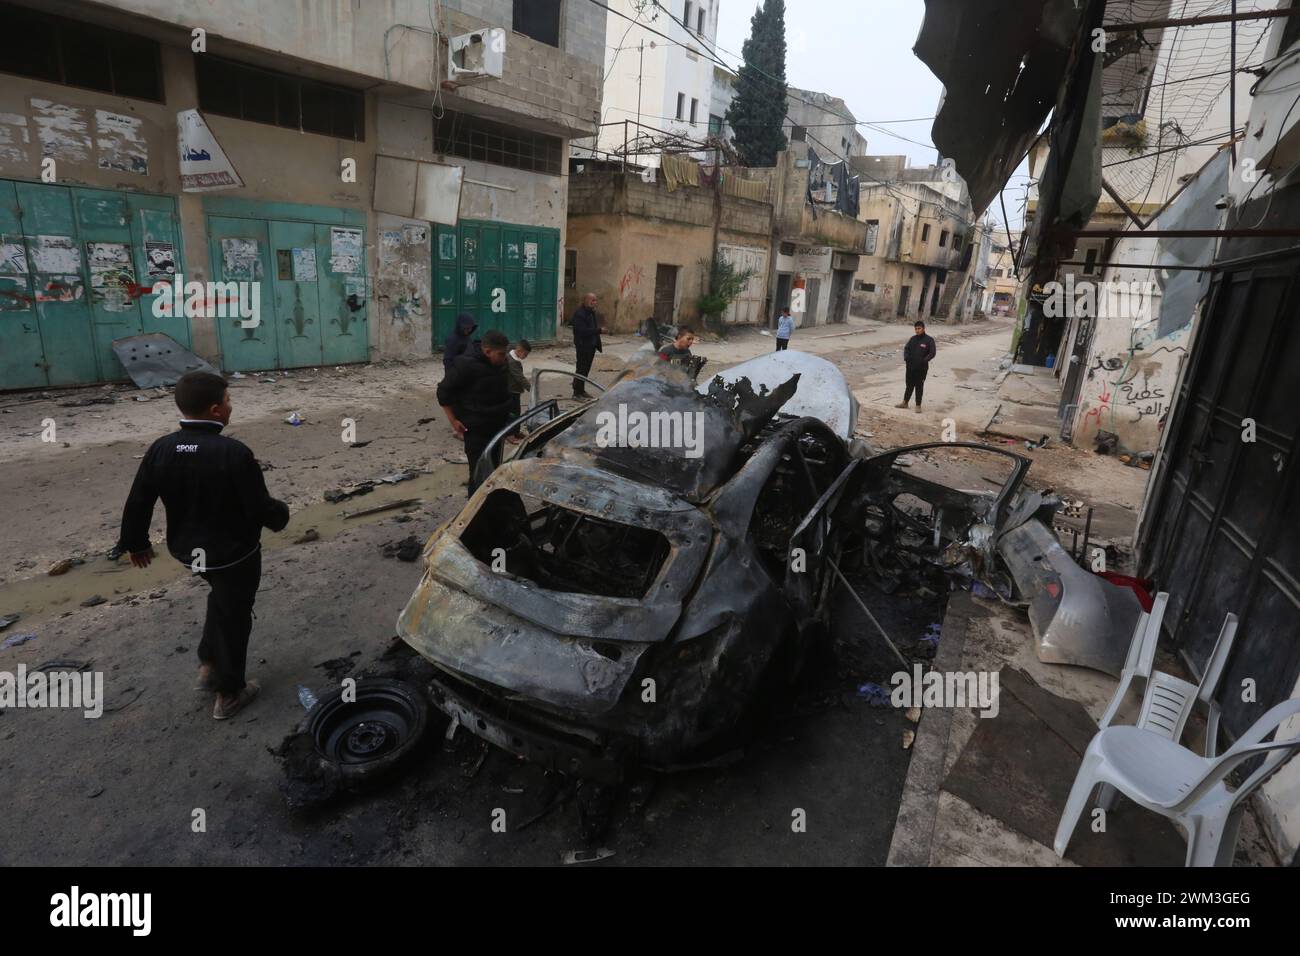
(861,51)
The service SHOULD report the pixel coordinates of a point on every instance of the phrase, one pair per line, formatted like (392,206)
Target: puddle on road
(43,597)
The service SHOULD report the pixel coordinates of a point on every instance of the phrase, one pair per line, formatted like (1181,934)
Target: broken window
(539,19)
(563,550)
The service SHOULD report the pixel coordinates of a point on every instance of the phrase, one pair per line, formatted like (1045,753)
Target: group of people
(217,502)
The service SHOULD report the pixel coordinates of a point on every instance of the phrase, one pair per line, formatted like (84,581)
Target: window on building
(473,137)
(1090,262)
(57,50)
(699,21)
(681,105)
(695,108)
(873,232)
(798,134)
(997,273)
(570,268)
(539,19)
(864,286)
(943,238)
(228,88)
(715,125)
(925,232)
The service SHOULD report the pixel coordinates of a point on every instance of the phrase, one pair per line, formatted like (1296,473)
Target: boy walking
(784,329)
(917,355)
(217,505)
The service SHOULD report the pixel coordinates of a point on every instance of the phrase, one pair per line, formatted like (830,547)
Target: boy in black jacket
(217,505)
(475,396)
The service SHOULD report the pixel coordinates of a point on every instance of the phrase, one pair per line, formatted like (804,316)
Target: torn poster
(14,139)
(360,286)
(390,241)
(66,288)
(345,250)
(13,257)
(14,296)
(161,261)
(530,255)
(111,276)
(415,235)
(241,259)
(120,144)
(304,265)
(64,131)
(55,254)
(204,165)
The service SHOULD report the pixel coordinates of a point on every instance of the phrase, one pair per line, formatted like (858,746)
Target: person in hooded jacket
(459,343)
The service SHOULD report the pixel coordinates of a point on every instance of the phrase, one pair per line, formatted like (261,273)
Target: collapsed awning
(1002,66)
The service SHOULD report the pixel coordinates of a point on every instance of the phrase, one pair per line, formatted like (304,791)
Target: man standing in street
(586,340)
(217,505)
(784,329)
(917,355)
(475,396)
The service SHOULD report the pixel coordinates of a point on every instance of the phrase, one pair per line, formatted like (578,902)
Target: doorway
(665,294)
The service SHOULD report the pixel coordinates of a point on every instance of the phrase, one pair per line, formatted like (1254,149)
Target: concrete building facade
(824,122)
(328,117)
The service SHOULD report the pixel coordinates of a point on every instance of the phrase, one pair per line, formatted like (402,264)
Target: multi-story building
(656,86)
(325,152)
(824,122)
(921,242)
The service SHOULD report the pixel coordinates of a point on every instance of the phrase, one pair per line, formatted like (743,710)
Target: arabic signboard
(204,166)
(812,260)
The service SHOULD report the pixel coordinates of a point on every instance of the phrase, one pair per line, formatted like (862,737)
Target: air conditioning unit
(477,56)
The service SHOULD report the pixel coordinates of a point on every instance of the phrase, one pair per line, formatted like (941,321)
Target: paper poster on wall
(160,259)
(530,255)
(14,139)
(61,288)
(111,275)
(415,235)
(13,256)
(241,259)
(345,250)
(204,165)
(119,143)
(390,244)
(57,255)
(304,265)
(360,286)
(64,131)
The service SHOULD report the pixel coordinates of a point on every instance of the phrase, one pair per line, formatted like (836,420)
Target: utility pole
(640,70)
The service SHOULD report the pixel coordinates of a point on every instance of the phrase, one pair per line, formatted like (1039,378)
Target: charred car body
(610,594)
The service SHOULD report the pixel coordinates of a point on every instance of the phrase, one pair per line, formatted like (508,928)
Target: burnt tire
(368,738)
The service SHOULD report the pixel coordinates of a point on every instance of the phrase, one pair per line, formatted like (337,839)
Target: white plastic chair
(1168,701)
(1166,778)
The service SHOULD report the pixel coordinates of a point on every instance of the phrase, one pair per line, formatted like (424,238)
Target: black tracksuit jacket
(478,393)
(214,493)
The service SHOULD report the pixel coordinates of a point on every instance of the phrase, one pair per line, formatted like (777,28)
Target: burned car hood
(823,392)
(651,426)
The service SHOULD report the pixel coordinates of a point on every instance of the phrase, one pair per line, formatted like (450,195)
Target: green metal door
(479,265)
(240,252)
(297,303)
(22,356)
(75,269)
(344,291)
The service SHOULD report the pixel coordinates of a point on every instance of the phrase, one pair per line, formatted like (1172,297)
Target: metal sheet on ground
(157,359)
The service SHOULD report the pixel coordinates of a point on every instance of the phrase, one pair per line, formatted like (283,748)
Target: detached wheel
(367,738)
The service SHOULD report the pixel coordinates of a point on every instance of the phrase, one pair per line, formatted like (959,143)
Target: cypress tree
(757,114)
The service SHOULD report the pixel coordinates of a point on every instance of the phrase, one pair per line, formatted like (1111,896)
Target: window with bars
(249,93)
(473,137)
(58,50)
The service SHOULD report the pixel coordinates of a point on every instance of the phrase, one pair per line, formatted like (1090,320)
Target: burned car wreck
(651,566)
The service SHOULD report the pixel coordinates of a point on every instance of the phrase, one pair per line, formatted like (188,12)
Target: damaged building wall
(635,243)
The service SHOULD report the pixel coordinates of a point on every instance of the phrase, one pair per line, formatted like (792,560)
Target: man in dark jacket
(586,340)
(475,396)
(458,342)
(217,505)
(917,355)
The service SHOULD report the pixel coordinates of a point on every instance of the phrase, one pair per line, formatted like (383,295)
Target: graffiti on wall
(403,282)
